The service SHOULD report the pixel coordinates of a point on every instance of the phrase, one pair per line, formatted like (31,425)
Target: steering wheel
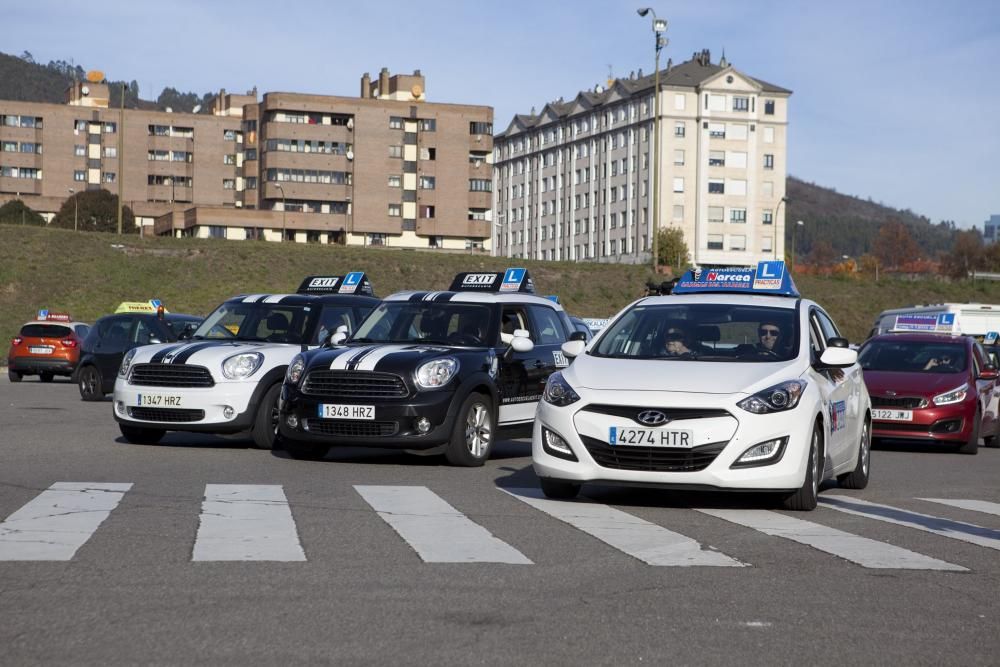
(459,338)
(219,329)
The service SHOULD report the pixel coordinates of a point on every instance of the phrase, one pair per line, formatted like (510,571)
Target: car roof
(473,297)
(55,323)
(302,299)
(927,337)
(725,299)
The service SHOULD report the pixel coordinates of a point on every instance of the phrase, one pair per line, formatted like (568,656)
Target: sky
(896,100)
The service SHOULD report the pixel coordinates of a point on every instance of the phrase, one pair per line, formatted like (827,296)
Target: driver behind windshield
(770,338)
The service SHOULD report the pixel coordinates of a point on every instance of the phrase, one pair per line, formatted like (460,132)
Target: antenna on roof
(611,76)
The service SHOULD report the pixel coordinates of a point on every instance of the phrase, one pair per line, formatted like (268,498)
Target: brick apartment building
(385,168)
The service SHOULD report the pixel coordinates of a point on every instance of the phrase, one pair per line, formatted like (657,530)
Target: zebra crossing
(256,523)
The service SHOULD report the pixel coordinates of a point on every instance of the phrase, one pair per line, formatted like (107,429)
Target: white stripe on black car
(253,298)
(357,358)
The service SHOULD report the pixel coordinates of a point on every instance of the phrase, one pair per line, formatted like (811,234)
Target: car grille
(351,429)
(673,414)
(354,384)
(170,375)
(908,402)
(166,414)
(652,459)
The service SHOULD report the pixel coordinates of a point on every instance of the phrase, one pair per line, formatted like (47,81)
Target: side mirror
(578,335)
(838,357)
(574,348)
(989,374)
(343,328)
(153,340)
(835,341)
(337,337)
(521,342)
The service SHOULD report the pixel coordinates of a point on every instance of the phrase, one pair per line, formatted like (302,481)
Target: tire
(971,446)
(14,376)
(138,435)
(304,451)
(45,377)
(991,441)
(472,436)
(559,489)
(265,423)
(88,380)
(804,500)
(858,478)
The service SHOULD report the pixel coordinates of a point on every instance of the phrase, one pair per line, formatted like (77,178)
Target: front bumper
(34,365)
(394,425)
(946,423)
(200,409)
(720,441)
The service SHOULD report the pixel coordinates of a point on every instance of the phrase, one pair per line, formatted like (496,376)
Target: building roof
(689,74)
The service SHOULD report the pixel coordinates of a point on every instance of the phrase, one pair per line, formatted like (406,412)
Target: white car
(227,377)
(733,382)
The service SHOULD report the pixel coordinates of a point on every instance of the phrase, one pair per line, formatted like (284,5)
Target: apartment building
(386,168)
(991,229)
(574,181)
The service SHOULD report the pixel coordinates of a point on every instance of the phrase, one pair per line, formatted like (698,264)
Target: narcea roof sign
(769,277)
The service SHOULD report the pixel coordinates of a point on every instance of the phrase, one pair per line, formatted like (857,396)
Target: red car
(46,347)
(931,387)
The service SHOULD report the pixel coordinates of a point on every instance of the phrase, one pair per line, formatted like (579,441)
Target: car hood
(384,357)
(881,383)
(212,353)
(699,377)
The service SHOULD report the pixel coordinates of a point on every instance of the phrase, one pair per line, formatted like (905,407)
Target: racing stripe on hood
(158,357)
(357,358)
(370,361)
(419,296)
(181,356)
(341,360)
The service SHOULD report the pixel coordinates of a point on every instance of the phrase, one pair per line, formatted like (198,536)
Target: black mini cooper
(429,372)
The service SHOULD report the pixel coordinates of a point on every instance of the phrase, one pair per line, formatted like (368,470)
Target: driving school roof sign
(355,282)
(511,280)
(940,322)
(771,278)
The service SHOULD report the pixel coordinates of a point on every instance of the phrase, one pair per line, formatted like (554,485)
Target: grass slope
(81,273)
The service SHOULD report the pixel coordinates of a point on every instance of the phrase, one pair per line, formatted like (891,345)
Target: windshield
(446,323)
(913,357)
(333,316)
(271,322)
(702,332)
(179,326)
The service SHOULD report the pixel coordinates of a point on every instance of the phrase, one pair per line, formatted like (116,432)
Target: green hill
(86,275)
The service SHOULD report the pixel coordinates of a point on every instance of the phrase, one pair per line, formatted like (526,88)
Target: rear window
(45,331)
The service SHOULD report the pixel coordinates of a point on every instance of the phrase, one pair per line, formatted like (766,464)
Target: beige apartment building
(386,168)
(574,181)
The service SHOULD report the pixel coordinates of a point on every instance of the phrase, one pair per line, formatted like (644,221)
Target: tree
(671,250)
(822,254)
(16,212)
(94,211)
(894,245)
(966,255)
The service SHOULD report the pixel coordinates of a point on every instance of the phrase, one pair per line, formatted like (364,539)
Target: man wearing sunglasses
(770,338)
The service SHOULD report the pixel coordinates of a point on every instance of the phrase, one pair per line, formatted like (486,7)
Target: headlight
(294,372)
(436,374)
(241,366)
(126,362)
(956,395)
(780,397)
(558,392)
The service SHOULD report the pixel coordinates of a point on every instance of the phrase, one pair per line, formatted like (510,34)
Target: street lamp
(76,208)
(659,27)
(282,191)
(783,200)
(798,223)
(22,207)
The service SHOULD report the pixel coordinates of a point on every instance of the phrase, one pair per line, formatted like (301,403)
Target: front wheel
(14,376)
(971,446)
(89,381)
(265,424)
(858,478)
(804,499)
(472,437)
(559,489)
(138,435)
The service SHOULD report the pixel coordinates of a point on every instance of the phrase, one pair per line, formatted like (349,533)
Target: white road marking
(246,522)
(854,548)
(437,531)
(58,521)
(983,506)
(956,530)
(648,542)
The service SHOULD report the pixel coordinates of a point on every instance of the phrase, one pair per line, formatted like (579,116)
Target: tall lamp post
(783,200)
(22,207)
(76,208)
(798,223)
(659,27)
(282,191)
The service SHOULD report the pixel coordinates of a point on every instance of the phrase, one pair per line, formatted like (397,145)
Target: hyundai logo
(652,417)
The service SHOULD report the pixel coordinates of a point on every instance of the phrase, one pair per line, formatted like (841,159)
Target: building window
(426,212)
(716,187)
(428,125)
(395,210)
(716,214)
(229,158)
(717,130)
(768,161)
(251,183)
(108,177)
(395,123)
(229,135)
(426,182)
(737,187)
(768,135)
(110,128)
(396,151)
(717,158)
(80,151)
(229,184)
(110,151)
(395,181)
(767,217)
(768,107)
(679,156)
(738,242)
(678,212)
(767,187)
(79,175)
(250,154)
(477,213)
(741,103)
(376,238)
(715,241)
(216,232)
(679,184)
(478,127)
(428,153)
(679,129)
(738,215)
(480,185)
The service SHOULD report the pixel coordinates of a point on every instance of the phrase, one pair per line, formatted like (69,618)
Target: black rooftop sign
(509,281)
(355,282)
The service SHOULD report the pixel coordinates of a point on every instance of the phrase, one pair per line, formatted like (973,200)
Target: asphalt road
(363,587)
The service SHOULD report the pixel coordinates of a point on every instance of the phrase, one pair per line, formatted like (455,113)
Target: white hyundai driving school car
(732,382)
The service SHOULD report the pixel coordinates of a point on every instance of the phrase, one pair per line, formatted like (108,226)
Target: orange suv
(46,347)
